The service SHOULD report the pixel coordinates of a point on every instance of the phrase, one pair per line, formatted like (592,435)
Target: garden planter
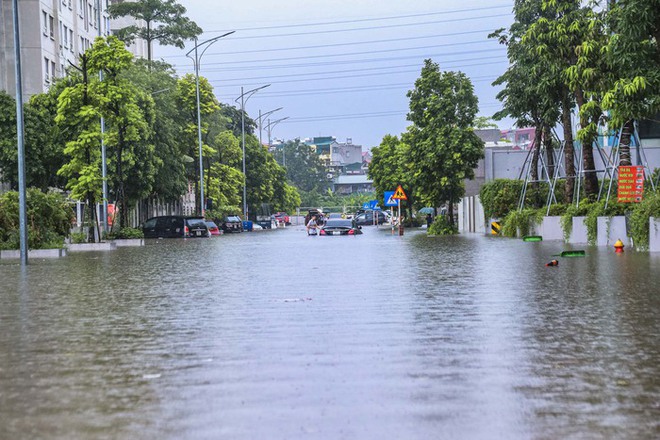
(35,253)
(128,242)
(654,234)
(579,232)
(611,229)
(551,228)
(87,247)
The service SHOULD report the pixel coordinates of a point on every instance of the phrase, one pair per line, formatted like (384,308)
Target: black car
(175,226)
(340,226)
(367,218)
(231,223)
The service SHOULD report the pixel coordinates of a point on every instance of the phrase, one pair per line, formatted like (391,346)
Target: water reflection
(279,335)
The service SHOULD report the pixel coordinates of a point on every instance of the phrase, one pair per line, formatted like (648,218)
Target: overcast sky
(342,68)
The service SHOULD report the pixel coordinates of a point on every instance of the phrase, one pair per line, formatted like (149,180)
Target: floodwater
(276,335)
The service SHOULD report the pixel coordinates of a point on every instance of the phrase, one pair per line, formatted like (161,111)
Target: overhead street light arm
(208,44)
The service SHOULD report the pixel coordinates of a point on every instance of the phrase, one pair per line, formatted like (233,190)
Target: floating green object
(571,254)
(530,238)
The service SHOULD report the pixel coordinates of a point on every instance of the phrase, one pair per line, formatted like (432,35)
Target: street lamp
(244,97)
(22,195)
(261,116)
(270,126)
(196,61)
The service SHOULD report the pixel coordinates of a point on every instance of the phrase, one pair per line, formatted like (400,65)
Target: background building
(54,33)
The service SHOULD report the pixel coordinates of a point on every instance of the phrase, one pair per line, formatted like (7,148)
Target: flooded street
(276,335)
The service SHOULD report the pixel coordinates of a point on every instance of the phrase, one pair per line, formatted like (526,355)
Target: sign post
(399,195)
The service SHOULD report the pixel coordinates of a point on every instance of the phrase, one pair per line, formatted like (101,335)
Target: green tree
(187,101)
(128,114)
(44,142)
(303,166)
(164,21)
(444,150)
(78,113)
(390,166)
(159,80)
(633,54)
(225,187)
(532,86)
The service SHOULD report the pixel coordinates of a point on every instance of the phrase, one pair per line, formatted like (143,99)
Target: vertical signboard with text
(631,184)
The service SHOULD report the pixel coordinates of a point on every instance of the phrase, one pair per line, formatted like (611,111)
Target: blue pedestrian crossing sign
(365,205)
(389,201)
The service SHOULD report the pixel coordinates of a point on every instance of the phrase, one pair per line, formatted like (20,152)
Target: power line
(352,43)
(306,57)
(336,62)
(363,20)
(369,28)
(379,69)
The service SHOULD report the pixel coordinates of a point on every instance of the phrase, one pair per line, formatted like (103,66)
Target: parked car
(196,227)
(367,218)
(232,223)
(283,217)
(174,226)
(340,226)
(213,228)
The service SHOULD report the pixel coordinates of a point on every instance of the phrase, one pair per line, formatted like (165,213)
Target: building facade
(53,33)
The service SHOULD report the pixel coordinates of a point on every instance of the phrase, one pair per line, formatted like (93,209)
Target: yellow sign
(495,228)
(399,194)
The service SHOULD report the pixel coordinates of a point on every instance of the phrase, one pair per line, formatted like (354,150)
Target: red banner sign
(631,184)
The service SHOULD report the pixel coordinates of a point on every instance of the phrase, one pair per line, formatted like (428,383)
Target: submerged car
(232,223)
(175,226)
(213,228)
(340,226)
(283,217)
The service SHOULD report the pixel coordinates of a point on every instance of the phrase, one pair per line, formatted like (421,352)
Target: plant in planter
(596,210)
(519,222)
(567,217)
(125,233)
(639,219)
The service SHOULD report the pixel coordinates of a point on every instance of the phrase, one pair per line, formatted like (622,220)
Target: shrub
(639,219)
(442,227)
(521,221)
(500,196)
(49,218)
(126,233)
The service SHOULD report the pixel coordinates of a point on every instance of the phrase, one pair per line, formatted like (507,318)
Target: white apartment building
(54,33)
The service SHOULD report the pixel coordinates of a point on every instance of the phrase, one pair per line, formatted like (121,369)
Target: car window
(196,222)
(211,225)
(233,218)
(339,223)
(151,223)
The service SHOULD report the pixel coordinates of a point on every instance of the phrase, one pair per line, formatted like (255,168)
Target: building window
(47,70)
(51,25)
(71,40)
(81,8)
(44,15)
(52,70)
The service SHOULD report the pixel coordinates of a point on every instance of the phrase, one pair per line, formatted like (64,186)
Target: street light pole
(196,61)
(22,199)
(261,116)
(244,99)
(270,126)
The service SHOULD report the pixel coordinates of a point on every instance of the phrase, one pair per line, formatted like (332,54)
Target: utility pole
(22,199)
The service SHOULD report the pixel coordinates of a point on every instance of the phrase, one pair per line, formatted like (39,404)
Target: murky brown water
(276,335)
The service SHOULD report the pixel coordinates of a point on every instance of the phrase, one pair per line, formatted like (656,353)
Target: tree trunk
(121,192)
(624,145)
(588,165)
(549,150)
(569,158)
